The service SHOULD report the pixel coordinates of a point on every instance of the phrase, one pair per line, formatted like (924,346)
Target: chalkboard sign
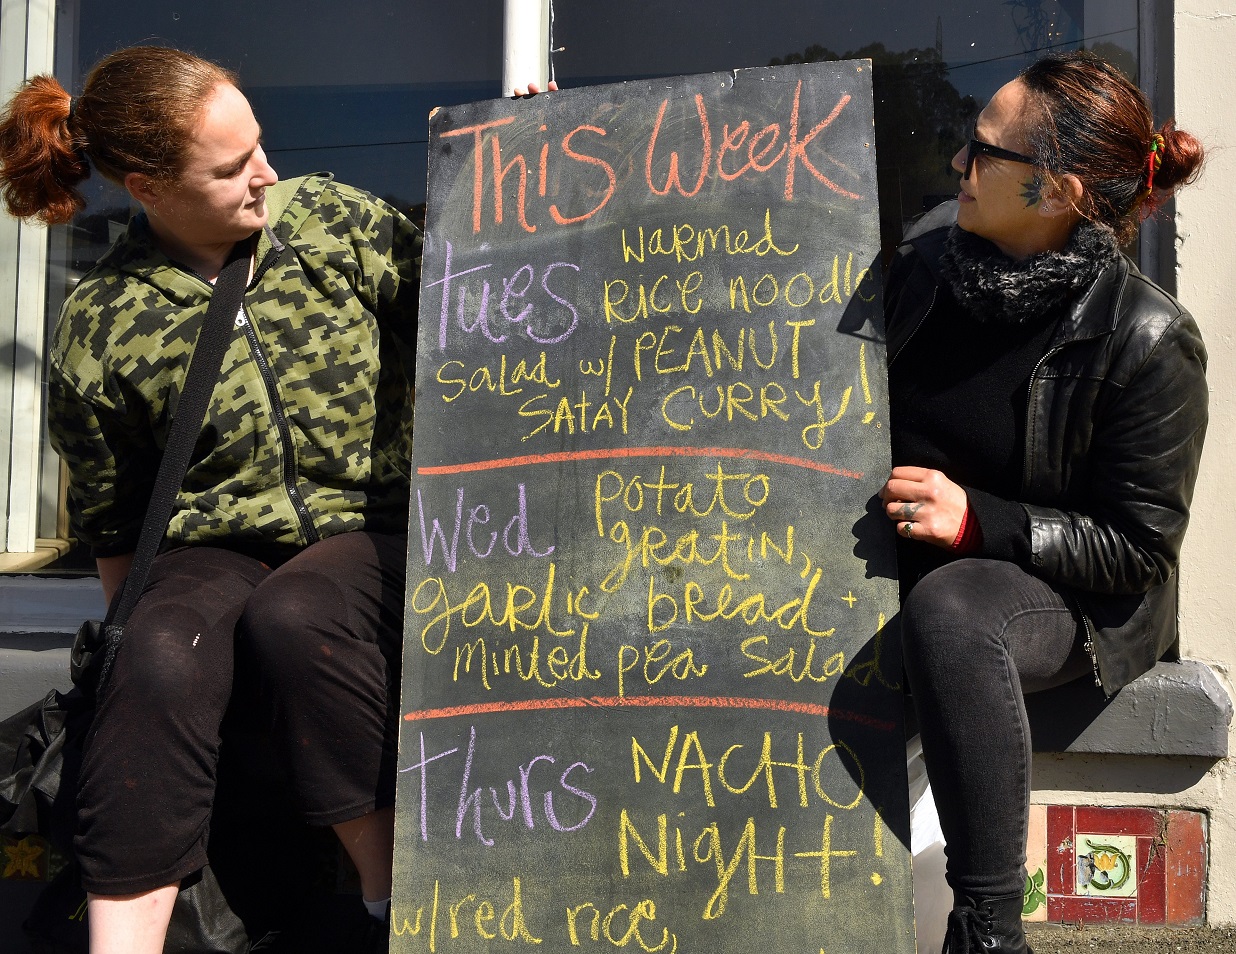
(648,703)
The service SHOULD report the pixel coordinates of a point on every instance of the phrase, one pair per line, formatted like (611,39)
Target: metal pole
(525,44)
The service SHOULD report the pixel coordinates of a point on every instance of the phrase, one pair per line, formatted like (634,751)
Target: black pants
(320,635)
(978,634)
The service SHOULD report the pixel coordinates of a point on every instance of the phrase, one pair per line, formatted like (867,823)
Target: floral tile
(23,858)
(1106,865)
(1034,907)
(1120,865)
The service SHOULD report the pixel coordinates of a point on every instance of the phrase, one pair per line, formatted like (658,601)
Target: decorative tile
(1061,869)
(1186,868)
(1152,883)
(1117,821)
(1105,865)
(23,858)
(1093,910)
(1116,865)
(1034,907)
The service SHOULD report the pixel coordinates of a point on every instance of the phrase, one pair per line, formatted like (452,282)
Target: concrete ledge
(1178,708)
(30,665)
(38,617)
(48,604)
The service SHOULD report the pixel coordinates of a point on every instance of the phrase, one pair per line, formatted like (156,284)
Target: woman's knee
(954,607)
(166,658)
(179,642)
(289,615)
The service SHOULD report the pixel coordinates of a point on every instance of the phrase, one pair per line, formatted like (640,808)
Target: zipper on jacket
(268,379)
(281,423)
(272,253)
(1047,356)
(1088,645)
(930,305)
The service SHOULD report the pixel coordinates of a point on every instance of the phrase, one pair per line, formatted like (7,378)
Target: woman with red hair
(285,554)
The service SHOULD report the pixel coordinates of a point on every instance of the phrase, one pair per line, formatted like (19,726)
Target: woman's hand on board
(924,505)
(533,89)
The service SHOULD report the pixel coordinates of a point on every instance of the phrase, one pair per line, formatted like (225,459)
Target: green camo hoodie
(309,429)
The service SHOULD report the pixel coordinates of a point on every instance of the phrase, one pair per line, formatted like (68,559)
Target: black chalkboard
(647,698)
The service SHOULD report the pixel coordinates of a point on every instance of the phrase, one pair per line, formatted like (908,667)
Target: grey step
(38,617)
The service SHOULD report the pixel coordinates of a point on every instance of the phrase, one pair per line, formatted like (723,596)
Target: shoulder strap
(200,382)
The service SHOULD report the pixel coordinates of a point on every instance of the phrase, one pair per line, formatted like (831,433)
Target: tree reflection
(920,123)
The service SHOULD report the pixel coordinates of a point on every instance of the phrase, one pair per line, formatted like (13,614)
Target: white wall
(1205,80)
(1206,105)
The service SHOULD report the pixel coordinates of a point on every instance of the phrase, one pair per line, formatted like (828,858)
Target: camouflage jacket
(309,429)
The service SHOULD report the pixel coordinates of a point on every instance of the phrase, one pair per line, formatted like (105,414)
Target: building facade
(348,88)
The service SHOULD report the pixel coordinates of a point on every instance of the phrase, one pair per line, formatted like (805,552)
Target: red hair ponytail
(41,161)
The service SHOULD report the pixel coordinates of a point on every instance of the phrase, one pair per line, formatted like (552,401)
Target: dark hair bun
(1182,158)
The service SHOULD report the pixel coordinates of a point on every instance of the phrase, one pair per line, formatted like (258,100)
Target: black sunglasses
(979,148)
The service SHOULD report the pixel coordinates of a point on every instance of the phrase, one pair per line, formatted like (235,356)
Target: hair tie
(79,143)
(1154,159)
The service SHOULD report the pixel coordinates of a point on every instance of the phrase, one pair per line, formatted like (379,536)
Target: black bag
(32,760)
(86,656)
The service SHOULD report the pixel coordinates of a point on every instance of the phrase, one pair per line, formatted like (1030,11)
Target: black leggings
(322,635)
(977,634)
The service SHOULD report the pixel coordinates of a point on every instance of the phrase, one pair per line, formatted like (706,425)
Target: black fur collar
(993,287)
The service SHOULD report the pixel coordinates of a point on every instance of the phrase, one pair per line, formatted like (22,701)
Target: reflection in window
(352,96)
(935,64)
(349,95)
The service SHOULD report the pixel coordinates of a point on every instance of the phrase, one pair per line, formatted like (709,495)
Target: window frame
(29,485)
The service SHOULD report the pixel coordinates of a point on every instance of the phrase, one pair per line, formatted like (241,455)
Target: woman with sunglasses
(1048,406)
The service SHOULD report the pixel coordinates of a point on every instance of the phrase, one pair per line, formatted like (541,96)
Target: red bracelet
(969,535)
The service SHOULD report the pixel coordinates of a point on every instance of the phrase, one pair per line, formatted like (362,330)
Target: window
(347,91)
(935,64)
(29,490)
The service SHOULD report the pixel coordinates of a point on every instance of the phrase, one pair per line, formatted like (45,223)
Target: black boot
(985,926)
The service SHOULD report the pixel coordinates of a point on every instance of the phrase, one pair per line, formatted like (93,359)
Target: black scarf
(993,287)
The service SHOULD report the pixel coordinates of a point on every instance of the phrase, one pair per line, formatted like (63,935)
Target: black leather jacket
(1116,415)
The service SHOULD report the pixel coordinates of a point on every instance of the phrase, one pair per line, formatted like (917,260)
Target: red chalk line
(560,457)
(618,702)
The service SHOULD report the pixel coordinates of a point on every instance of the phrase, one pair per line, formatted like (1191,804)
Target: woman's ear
(140,187)
(1064,198)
